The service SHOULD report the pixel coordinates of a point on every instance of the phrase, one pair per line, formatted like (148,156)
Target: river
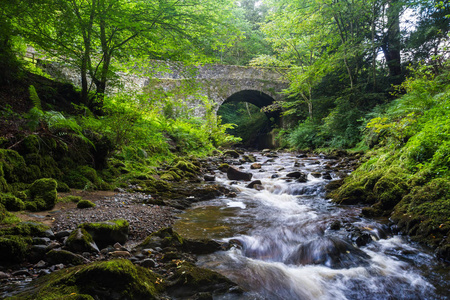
(290,242)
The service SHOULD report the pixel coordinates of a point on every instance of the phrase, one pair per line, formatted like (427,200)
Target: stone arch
(257,98)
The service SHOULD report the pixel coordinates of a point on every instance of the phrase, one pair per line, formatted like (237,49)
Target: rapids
(290,242)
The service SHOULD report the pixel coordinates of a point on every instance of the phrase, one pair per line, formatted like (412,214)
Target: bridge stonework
(219,83)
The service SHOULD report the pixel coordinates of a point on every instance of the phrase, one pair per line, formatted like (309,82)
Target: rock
(316,174)
(163,238)
(65,257)
(274,176)
(23,272)
(331,252)
(335,225)
(148,263)
(255,166)
(108,233)
(190,279)
(114,279)
(62,234)
(231,153)
(327,176)
(234,174)
(43,193)
(41,241)
(208,177)
(254,183)
(40,264)
(201,246)
(301,177)
(13,248)
(80,241)
(4,275)
(120,253)
(224,167)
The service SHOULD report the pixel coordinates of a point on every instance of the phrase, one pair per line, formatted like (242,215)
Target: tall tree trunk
(391,42)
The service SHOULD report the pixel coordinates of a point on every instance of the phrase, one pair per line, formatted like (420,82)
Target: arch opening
(253,126)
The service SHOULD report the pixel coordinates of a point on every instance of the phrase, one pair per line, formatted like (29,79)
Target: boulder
(301,177)
(234,174)
(108,233)
(81,241)
(254,184)
(43,193)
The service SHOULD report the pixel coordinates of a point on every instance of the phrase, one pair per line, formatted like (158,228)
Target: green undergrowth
(406,176)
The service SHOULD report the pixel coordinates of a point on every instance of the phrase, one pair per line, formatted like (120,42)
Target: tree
(97,36)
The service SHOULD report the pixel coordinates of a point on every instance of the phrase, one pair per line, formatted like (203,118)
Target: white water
(289,252)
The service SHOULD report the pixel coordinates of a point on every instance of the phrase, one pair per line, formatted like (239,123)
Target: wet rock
(296,175)
(189,280)
(224,167)
(274,176)
(255,166)
(316,174)
(163,238)
(335,225)
(201,246)
(327,176)
(234,174)
(333,185)
(41,241)
(330,252)
(254,183)
(208,177)
(65,257)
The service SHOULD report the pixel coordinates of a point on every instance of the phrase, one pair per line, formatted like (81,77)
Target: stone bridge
(191,85)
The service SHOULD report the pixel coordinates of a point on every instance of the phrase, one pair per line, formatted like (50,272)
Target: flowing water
(284,247)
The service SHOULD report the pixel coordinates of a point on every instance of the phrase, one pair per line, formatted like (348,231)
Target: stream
(290,242)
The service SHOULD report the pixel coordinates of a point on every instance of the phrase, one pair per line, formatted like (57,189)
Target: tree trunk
(391,41)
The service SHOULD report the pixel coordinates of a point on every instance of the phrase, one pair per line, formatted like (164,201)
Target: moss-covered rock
(3,213)
(85,204)
(43,192)
(14,166)
(11,202)
(114,279)
(163,238)
(190,279)
(13,248)
(109,232)
(80,240)
(26,229)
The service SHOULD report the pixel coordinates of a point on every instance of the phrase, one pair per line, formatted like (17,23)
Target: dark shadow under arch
(258,99)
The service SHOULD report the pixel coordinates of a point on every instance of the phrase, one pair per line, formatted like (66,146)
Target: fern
(34,97)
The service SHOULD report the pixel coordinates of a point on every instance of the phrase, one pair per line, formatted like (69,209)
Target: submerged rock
(329,252)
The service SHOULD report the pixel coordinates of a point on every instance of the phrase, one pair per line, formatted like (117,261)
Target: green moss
(165,237)
(11,202)
(70,198)
(14,248)
(25,229)
(114,279)
(31,144)
(171,175)
(80,240)
(85,204)
(62,187)
(3,213)
(14,166)
(4,187)
(187,167)
(43,192)
(109,232)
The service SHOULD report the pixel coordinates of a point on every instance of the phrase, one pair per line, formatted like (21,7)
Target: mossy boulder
(357,188)
(43,193)
(85,204)
(107,233)
(424,214)
(26,229)
(14,248)
(11,202)
(190,279)
(3,212)
(80,240)
(231,153)
(114,279)
(14,166)
(163,238)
